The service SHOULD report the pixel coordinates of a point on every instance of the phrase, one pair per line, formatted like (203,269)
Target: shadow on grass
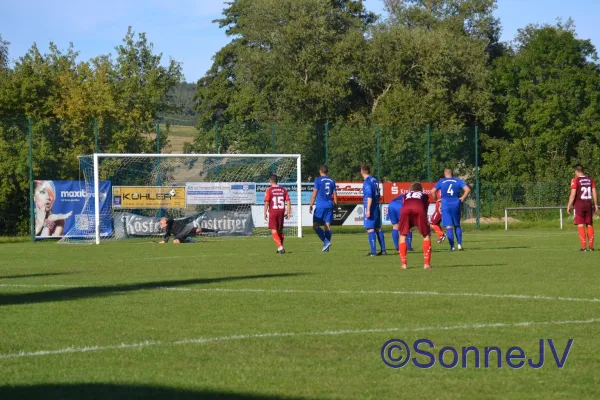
(84,292)
(35,275)
(472,265)
(113,391)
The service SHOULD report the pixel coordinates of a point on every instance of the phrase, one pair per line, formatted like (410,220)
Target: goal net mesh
(211,192)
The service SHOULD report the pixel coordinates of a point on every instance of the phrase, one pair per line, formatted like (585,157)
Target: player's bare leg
(582,239)
(427,251)
(403,250)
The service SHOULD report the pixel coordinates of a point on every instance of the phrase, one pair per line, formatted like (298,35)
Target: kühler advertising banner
(209,193)
(307,189)
(58,207)
(229,223)
(132,197)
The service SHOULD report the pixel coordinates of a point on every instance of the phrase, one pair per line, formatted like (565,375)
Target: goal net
(127,194)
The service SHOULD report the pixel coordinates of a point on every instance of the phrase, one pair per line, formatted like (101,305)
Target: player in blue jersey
(394,212)
(450,188)
(372,215)
(324,192)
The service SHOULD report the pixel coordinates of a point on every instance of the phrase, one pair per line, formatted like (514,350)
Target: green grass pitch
(229,318)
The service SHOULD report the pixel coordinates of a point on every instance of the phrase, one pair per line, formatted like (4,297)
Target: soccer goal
(127,194)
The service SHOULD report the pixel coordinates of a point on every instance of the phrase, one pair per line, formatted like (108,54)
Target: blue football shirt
(325,188)
(450,188)
(371,190)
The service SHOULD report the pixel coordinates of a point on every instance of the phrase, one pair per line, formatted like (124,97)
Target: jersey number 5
(277,203)
(586,193)
(327,188)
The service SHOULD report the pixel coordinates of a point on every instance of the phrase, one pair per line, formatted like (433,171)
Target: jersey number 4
(277,203)
(586,193)
(450,191)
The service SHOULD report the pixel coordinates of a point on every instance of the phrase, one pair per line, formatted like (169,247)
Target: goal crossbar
(506,210)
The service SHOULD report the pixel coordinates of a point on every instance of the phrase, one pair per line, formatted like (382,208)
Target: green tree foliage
(63,97)
(3,54)
(547,92)
(290,61)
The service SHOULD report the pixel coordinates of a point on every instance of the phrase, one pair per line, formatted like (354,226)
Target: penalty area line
(386,292)
(201,340)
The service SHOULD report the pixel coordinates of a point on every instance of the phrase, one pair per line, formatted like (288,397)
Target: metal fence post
(217,137)
(273,137)
(477,199)
(157,137)
(378,131)
(489,187)
(96,134)
(326,143)
(428,153)
(31,209)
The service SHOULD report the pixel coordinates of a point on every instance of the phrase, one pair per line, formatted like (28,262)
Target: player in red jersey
(414,213)
(436,218)
(277,206)
(583,192)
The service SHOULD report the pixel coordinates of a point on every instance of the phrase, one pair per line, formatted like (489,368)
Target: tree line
(311,66)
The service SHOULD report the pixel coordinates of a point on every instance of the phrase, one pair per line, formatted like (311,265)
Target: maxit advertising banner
(58,208)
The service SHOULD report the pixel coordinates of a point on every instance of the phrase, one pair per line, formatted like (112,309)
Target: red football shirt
(416,200)
(583,197)
(276,196)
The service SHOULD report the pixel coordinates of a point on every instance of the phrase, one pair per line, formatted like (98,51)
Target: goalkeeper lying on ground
(181,229)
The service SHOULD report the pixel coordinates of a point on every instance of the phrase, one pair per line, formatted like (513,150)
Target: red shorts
(276,220)
(584,216)
(436,218)
(410,218)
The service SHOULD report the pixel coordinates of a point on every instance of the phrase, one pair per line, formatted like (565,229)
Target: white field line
(156,343)
(389,292)
(335,292)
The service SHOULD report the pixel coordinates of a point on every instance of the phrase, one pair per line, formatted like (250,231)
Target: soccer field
(229,318)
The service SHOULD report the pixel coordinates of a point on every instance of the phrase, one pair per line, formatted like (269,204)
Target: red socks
(427,251)
(438,231)
(591,236)
(403,249)
(276,238)
(281,237)
(582,236)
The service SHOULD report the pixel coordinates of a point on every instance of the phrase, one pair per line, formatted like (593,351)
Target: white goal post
(168,175)
(506,210)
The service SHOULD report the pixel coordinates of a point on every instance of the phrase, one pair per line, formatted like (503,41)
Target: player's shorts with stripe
(451,214)
(394,210)
(413,217)
(276,220)
(436,218)
(323,215)
(375,221)
(584,215)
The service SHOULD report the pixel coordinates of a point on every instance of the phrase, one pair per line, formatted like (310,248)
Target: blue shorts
(394,210)
(375,221)
(451,214)
(323,215)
